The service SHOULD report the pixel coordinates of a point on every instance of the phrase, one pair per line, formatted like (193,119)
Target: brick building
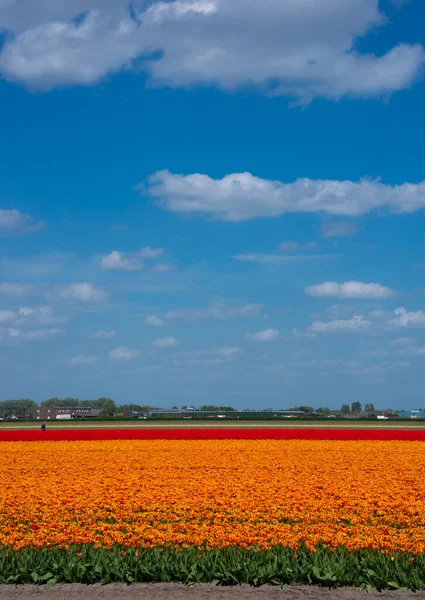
(45,413)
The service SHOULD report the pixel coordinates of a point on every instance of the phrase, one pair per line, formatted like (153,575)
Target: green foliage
(213,408)
(18,408)
(101,403)
(366,569)
(369,408)
(345,408)
(60,403)
(356,407)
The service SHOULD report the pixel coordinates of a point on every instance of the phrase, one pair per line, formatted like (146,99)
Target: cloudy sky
(213,201)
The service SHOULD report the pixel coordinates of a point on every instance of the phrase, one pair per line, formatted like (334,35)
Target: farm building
(411,414)
(66,412)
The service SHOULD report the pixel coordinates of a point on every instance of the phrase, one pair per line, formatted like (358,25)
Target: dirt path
(175,591)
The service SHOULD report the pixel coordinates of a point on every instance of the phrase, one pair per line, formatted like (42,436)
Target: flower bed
(223,510)
(230,433)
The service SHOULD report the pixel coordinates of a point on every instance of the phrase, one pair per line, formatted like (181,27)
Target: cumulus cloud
(402,342)
(163,268)
(6,315)
(413,351)
(278,258)
(28,316)
(208,356)
(338,229)
(149,252)
(33,335)
(118,261)
(82,359)
(218,310)
(13,222)
(350,289)
(154,321)
(302,50)
(288,246)
(15,290)
(242,196)
(79,292)
(123,353)
(104,335)
(167,342)
(356,324)
(226,351)
(404,318)
(267,335)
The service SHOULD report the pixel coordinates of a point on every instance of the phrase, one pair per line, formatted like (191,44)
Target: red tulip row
(212,434)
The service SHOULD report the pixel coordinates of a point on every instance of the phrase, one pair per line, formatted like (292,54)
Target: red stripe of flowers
(211,434)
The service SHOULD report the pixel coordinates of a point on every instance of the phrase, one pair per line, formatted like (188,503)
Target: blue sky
(210,201)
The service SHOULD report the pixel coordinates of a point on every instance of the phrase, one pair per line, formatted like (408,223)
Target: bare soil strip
(176,591)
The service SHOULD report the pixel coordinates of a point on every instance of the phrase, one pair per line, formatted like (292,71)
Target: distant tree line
(356,407)
(22,408)
(17,408)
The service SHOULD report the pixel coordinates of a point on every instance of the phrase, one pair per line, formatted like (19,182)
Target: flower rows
(222,433)
(214,493)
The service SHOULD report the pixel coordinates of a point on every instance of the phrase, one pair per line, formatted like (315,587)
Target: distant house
(45,413)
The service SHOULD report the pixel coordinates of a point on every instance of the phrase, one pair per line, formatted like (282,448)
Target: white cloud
(301,49)
(217,310)
(288,246)
(82,359)
(36,267)
(103,335)
(38,315)
(350,289)
(149,252)
(356,324)
(242,196)
(402,342)
(122,353)
(278,258)
(15,290)
(267,335)
(30,335)
(6,315)
(405,318)
(117,261)
(154,321)
(208,356)
(167,342)
(14,222)
(412,351)
(163,268)
(226,351)
(80,292)
(338,229)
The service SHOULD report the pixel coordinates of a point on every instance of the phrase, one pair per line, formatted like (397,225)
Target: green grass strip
(366,569)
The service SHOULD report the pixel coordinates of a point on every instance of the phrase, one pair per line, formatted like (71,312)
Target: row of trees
(356,407)
(17,408)
(22,408)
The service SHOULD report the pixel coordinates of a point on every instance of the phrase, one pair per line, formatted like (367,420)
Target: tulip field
(222,506)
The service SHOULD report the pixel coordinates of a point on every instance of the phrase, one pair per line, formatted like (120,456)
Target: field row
(17,435)
(214,493)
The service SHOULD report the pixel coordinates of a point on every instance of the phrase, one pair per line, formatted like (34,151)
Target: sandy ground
(176,591)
